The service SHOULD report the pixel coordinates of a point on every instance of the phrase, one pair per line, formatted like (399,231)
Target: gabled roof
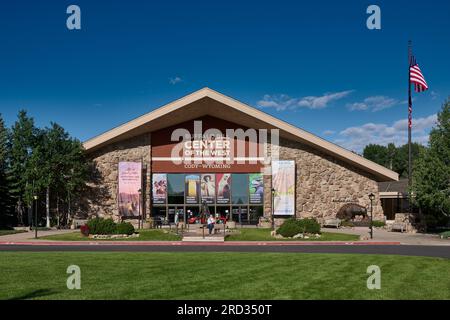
(209,102)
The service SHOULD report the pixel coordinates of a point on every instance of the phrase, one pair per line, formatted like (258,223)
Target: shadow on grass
(34,294)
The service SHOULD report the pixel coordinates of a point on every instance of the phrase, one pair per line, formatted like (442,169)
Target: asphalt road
(407,250)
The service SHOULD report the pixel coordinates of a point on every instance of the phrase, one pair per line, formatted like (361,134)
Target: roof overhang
(209,102)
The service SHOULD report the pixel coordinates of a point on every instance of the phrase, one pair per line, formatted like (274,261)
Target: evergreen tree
(431,177)
(4,190)
(22,141)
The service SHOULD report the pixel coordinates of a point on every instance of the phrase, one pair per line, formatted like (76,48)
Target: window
(239,188)
(175,184)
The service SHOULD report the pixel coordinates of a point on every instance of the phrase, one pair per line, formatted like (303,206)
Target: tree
(431,177)
(4,190)
(22,141)
(392,157)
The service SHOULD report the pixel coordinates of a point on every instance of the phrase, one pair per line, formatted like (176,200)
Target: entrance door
(240,214)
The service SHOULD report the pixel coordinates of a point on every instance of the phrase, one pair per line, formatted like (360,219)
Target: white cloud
(175,80)
(356,138)
(284,102)
(375,103)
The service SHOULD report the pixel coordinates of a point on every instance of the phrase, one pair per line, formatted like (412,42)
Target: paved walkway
(380,236)
(403,238)
(29,236)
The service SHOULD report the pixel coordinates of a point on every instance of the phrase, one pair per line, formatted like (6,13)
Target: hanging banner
(223,188)
(208,188)
(192,190)
(256,188)
(159,188)
(283,181)
(130,182)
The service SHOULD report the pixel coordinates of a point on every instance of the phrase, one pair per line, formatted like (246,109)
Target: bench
(76,223)
(332,223)
(400,226)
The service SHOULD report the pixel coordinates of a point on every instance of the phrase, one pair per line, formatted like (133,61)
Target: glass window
(175,184)
(239,188)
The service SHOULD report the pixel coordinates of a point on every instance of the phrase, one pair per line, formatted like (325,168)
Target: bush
(125,228)
(101,226)
(292,226)
(289,228)
(309,225)
(378,224)
(84,230)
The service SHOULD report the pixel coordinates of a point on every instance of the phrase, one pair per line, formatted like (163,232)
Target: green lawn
(104,275)
(258,234)
(6,232)
(144,235)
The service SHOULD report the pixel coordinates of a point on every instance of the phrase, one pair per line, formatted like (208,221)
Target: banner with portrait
(130,183)
(208,188)
(192,188)
(223,188)
(256,188)
(283,182)
(159,188)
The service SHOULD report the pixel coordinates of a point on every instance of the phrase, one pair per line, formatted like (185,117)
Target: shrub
(309,225)
(289,228)
(124,228)
(292,226)
(347,223)
(84,230)
(101,226)
(378,224)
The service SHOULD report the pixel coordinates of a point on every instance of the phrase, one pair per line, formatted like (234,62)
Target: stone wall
(323,183)
(102,198)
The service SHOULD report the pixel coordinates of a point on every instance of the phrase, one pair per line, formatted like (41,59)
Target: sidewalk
(29,236)
(403,238)
(381,237)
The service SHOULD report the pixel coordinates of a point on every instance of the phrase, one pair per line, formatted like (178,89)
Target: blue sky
(314,64)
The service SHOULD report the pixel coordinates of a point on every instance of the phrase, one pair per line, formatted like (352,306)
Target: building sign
(192,188)
(159,188)
(283,181)
(130,183)
(207,144)
(208,188)
(256,188)
(223,188)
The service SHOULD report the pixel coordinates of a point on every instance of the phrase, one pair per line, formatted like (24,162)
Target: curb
(196,243)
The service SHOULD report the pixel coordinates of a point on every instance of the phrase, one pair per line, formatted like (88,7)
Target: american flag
(416,77)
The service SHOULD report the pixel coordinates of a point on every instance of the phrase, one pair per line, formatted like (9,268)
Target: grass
(445,234)
(6,232)
(144,235)
(258,234)
(119,275)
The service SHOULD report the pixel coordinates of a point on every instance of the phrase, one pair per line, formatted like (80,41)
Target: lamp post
(35,216)
(273,208)
(140,213)
(371,197)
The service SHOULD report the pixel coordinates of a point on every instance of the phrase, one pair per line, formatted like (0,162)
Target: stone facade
(323,183)
(102,200)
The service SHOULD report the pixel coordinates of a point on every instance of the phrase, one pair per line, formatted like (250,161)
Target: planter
(231,224)
(146,225)
(265,224)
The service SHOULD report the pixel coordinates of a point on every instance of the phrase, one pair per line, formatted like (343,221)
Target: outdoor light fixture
(273,209)
(371,197)
(140,222)
(35,216)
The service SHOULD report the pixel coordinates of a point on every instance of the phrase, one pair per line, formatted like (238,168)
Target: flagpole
(409,129)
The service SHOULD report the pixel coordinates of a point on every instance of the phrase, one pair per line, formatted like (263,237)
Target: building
(180,159)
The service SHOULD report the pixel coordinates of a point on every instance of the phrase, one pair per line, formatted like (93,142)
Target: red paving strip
(195,243)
